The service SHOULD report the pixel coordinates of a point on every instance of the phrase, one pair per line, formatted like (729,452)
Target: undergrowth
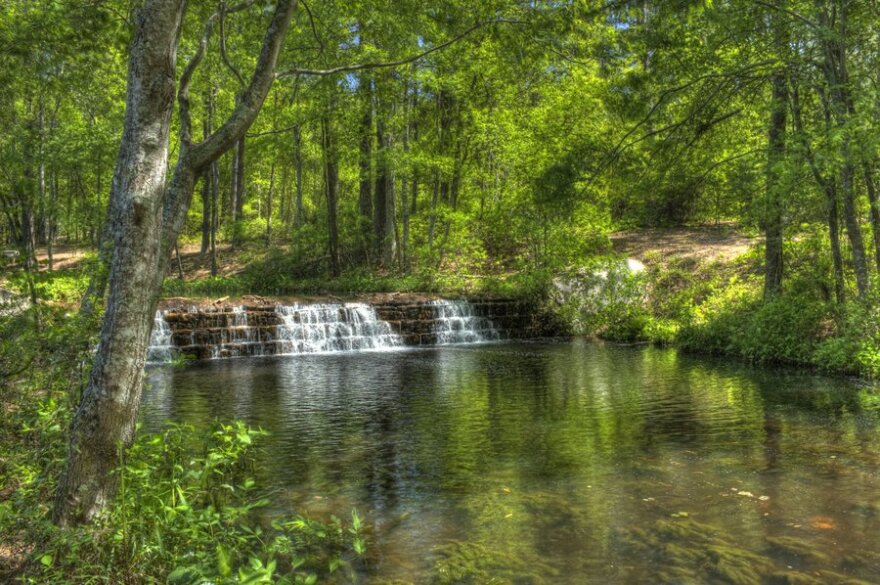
(187,511)
(719,308)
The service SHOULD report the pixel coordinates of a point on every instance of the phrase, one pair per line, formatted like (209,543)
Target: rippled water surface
(561,463)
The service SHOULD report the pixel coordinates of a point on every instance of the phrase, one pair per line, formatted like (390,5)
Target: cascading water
(161,347)
(456,322)
(333,327)
(239,337)
(260,329)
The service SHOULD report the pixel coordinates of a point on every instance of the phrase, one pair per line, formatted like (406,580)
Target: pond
(568,462)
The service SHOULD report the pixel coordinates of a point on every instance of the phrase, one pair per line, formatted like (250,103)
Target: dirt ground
(195,266)
(698,243)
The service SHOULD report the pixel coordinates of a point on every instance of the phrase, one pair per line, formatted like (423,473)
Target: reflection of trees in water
(544,454)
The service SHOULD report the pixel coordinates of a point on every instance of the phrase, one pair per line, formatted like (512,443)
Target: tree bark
(269,197)
(365,193)
(829,187)
(331,187)
(147,218)
(836,76)
(772,211)
(383,207)
(298,162)
(105,419)
(874,214)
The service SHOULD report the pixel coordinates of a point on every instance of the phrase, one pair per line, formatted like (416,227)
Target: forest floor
(703,243)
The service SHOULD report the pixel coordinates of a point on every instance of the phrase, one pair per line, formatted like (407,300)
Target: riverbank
(700,290)
(716,306)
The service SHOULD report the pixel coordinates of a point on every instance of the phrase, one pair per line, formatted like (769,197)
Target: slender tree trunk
(834,236)
(415,195)
(875,213)
(331,186)
(298,161)
(435,202)
(365,161)
(837,78)
(773,206)
(239,186)
(214,176)
(269,196)
(206,212)
(828,186)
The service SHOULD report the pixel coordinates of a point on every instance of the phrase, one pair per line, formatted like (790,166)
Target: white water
(457,323)
(333,327)
(238,334)
(161,348)
(328,327)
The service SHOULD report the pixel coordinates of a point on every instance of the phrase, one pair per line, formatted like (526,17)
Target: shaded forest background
(521,145)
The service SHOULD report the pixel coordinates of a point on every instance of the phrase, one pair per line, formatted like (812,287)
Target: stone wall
(204,332)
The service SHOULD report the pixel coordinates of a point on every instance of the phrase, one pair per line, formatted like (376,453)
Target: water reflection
(561,463)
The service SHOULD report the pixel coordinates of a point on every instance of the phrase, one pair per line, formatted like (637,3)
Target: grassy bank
(717,307)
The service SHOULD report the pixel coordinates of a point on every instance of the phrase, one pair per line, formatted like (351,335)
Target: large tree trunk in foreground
(147,218)
(105,418)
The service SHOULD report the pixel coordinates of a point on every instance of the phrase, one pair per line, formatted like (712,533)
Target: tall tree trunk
(207,194)
(365,161)
(432,218)
(383,209)
(147,218)
(105,418)
(772,212)
(829,187)
(50,223)
(331,186)
(875,212)
(214,170)
(238,190)
(837,78)
(298,161)
(269,196)
(206,213)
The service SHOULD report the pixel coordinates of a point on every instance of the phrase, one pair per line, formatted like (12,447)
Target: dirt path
(699,243)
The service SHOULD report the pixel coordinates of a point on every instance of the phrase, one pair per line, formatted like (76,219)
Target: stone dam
(269,328)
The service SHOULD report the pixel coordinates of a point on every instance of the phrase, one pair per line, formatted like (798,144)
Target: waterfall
(239,337)
(456,322)
(161,348)
(332,327)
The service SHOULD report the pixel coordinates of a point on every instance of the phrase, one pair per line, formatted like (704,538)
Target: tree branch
(314,28)
(255,93)
(792,13)
(183,102)
(386,64)
(223,54)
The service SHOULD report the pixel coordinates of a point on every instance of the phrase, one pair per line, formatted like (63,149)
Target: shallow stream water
(565,462)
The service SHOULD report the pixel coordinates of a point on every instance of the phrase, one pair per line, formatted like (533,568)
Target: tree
(147,218)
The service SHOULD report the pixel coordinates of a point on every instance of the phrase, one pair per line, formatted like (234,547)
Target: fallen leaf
(823,523)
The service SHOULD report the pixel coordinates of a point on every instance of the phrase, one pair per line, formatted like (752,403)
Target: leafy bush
(186,512)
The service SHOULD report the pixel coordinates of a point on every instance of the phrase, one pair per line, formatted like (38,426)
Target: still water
(565,462)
